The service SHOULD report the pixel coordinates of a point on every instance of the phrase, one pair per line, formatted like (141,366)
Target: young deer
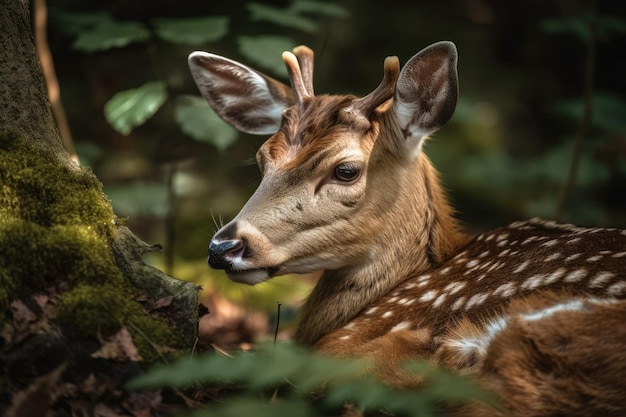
(534,311)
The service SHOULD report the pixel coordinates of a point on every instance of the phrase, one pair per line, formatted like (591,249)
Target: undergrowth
(287,380)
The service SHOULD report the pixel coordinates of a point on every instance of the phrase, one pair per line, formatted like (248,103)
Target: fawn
(534,311)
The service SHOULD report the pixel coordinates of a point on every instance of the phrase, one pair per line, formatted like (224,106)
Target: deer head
(339,172)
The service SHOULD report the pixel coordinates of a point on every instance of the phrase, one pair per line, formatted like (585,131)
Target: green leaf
(318,7)
(194,31)
(266,51)
(199,121)
(577,26)
(608,111)
(74,23)
(139,199)
(128,109)
(281,17)
(109,34)
(257,408)
(608,24)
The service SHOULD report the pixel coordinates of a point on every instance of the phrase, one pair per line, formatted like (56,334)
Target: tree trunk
(79,309)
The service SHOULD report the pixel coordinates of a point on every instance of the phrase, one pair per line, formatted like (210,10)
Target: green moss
(103,309)
(56,226)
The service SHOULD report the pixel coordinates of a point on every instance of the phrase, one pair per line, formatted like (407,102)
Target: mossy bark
(60,239)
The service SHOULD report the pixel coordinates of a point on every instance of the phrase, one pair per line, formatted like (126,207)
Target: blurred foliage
(304,383)
(503,156)
(128,109)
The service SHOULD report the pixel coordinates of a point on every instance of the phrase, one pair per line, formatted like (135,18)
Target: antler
(299,65)
(365,105)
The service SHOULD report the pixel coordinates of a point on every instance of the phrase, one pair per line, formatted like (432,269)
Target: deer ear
(426,91)
(248,100)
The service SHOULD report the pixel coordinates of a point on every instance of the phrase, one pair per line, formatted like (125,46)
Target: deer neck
(417,234)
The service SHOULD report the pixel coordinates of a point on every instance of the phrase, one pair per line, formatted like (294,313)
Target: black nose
(219,251)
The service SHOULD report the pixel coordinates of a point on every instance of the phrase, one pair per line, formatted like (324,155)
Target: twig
(47,65)
(585,120)
(276,330)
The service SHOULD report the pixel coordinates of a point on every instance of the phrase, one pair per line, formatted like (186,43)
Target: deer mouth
(251,276)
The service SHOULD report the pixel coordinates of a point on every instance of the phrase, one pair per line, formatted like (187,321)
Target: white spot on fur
(445,270)
(552,257)
(400,326)
(485,253)
(458,303)
(503,243)
(476,299)
(574,240)
(572,257)
(346,337)
(533,282)
(521,267)
(505,290)
(574,305)
(454,287)
(553,277)
(410,285)
(349,326)
(460,260)
(594,258)
(371,310)
(439,300)
(504,252)
(576,275)
(392,300)
(429,295)
(387,314)
(605,252)
(619,255)
(530,239)
(411,301)
(601,279)
(617,289)
(550,243)
(423,278)
(496,266)
(472,263)
(403,301)
(478,345)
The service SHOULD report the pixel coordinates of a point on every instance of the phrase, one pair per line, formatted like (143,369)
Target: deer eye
(347,172)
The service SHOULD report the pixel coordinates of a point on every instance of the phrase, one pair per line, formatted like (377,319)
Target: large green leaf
(109,33)
(139,199)
(281,17)
(608,111)
(131,108)
(266,51)
(199,121)
(318,7)
(194,31)
(74,23)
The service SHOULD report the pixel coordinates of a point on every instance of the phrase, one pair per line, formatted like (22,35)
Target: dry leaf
(35,400)
(119,348)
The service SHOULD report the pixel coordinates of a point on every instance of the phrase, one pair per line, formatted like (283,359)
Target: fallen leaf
(119,348)
(35,400)
(162,302)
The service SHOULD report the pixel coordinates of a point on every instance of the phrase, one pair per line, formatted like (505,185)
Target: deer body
(347,189)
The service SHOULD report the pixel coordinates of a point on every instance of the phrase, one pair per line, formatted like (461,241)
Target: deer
(533,311)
